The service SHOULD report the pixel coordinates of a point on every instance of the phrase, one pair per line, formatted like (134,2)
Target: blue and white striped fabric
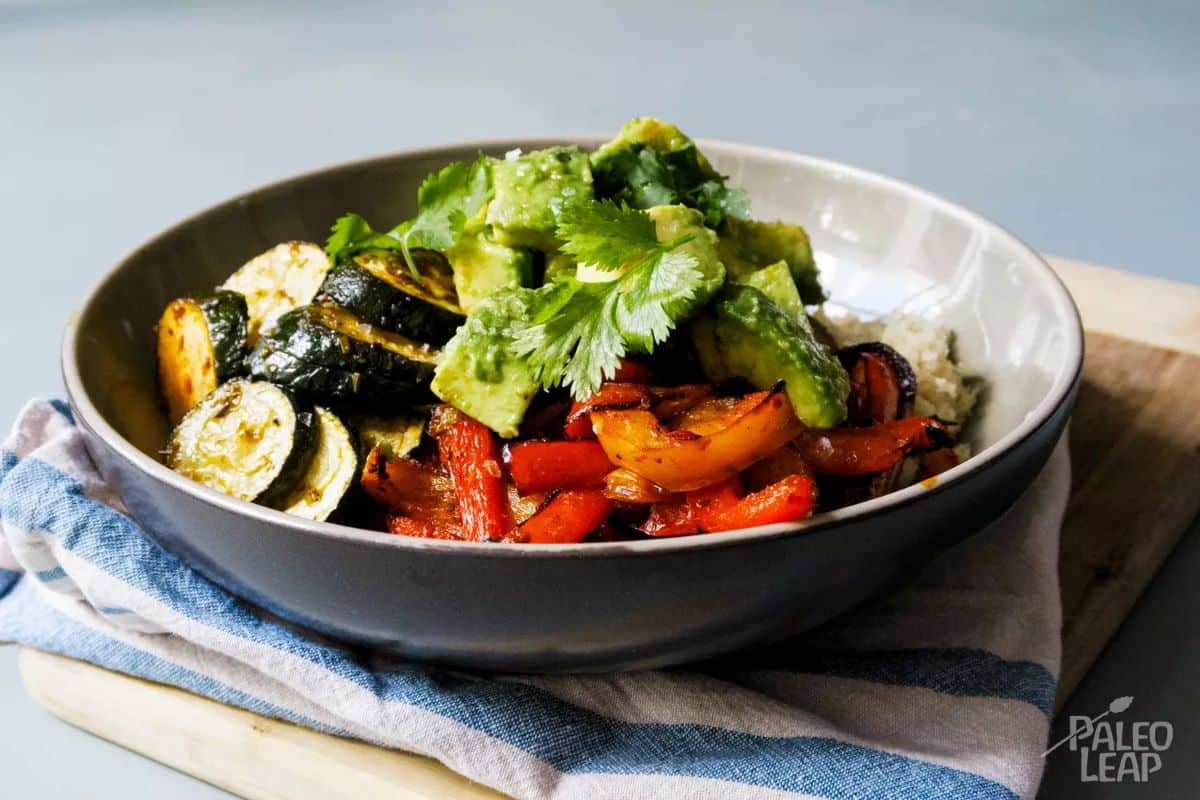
(943,690)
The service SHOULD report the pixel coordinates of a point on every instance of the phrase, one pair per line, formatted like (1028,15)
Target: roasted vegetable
(611,397)
(682,460)
(327,353)
(862,451)
(472,457)
(626,486)
(569,516)
(247,439)
(883,386)
(378,288)
(201,343)
(410,487)
(285,277)
(724,507)
(545,466)
(394,436)
(330,473)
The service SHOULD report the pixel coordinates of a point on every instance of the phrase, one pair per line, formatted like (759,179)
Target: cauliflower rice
(942,389)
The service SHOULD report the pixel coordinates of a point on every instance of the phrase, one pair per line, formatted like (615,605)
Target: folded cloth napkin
(942,690)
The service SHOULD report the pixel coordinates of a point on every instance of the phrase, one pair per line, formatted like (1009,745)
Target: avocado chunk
(775,281)
(479,372)
(746,245)
(649,131)
(531,191)
(743,334)
(483,266)
(671,223)
(652,163)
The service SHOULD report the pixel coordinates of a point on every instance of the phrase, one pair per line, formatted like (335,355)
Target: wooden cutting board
(1135,452)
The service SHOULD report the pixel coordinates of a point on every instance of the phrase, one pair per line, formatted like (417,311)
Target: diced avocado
(530,192)
(775,281)
(743,334)
(746,245)
(674,222)
(655,133)
(483,266)
(478,372)
(652,163)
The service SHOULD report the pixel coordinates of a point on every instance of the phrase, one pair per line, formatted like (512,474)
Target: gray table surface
(1073,124)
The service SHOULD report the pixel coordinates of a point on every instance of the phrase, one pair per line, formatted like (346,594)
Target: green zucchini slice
(395,436)
(285,277)
(247,439)
(378,288)
(201,343)
(326,353)
(330,473)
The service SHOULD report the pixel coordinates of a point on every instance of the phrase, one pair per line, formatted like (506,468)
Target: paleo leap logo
(1110,752)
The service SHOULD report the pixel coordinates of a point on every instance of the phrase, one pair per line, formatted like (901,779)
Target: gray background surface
(1073,124)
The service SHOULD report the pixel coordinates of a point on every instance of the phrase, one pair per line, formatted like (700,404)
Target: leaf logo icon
(1115,707)
(1120,704)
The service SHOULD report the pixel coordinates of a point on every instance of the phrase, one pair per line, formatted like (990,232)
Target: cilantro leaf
(445,201)
(604,234)
(351,234)
(642,176)
(580,331)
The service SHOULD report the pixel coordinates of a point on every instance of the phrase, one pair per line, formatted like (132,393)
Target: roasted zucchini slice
(330,474)
(201,343)
(396,437)
(247,439)
(326,353)
(285,277)
(378,288)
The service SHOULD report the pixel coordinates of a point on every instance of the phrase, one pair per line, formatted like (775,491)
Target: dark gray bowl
(881,244)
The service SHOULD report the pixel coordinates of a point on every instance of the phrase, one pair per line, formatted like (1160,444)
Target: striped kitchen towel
(942,690)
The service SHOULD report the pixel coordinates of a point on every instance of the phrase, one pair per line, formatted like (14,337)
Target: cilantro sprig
(446,199)
(578,332)
(642,177)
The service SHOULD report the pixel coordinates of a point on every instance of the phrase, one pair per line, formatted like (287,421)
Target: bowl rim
(1060,392)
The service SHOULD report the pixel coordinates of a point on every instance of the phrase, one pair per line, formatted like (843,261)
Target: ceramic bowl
(881,246)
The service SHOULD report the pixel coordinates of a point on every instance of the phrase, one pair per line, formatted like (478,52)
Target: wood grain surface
(1135,452)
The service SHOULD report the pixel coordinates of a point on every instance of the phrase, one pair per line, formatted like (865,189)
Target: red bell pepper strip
(783,463)
(862,451)
(610,396)
(788,500)
(471,455)
(409,487)
(685,515)
(569,516)
(722,507)
(545,466)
